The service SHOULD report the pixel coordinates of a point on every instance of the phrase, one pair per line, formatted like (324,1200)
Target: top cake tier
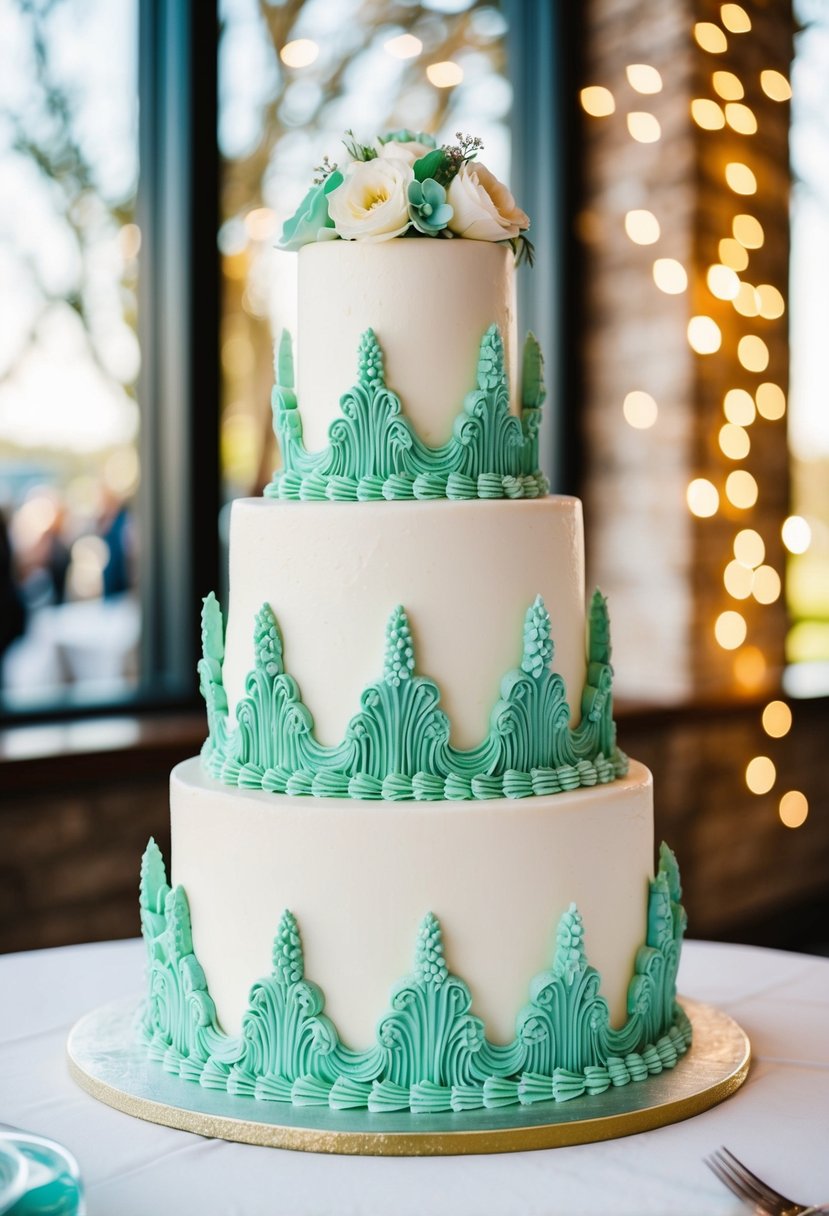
(429,304)
(408,381)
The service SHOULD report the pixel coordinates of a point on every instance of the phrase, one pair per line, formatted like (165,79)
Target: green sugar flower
(428,208)
(311,221)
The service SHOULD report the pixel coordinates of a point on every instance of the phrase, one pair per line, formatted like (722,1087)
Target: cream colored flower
(372,203)
(484,209)
(406,150)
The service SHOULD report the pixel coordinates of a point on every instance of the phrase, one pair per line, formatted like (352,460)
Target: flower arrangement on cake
(404,185)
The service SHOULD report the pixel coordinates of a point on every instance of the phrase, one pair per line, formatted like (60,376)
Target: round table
(778,1122)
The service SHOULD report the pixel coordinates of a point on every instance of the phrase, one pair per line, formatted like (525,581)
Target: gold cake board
(106,1059)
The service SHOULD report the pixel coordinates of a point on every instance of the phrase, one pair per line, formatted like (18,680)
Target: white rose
(372,203)
(408,150)
(484,208)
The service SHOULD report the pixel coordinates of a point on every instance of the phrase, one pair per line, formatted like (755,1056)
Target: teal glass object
(53,1182)
(431,1052)
(14,1173)
(374,451)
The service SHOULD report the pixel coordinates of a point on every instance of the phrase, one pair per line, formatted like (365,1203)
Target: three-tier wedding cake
(412,869)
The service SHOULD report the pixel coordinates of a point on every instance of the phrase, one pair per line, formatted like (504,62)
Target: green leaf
(429,165)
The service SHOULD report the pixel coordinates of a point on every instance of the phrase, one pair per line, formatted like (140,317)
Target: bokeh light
(767,585)
(738,580)
(772,304)
(404,46)
(793,809)
(732,253)
(704,335)
(643,78)
(734,441)
(722,282)
(702,497)
(753,353)
(796,533)
(735,18)
(643,127)
(730,629)
(741,489)
(444,75)
(771,401)
(775,85)
(777,719)
(640,410)
(642,227)
(670,276)
(707,114)
(300,53)
(740,178)
(728,86)
(710,37)
(738,407)
(749,548)
(760,774)
(748,231)
(597,101)
(740,118)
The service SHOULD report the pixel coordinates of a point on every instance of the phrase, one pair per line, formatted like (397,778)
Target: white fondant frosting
(359,877)
(465,572)
(429,302)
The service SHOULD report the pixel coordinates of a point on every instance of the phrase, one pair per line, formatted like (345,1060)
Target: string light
(749,548)
(793,809)
(746,302)
(772,304)
(738,580)
(730,629)
(753,353)
(771,401)
(643,78)
(748,231)
(740,118)
(767,586)
(775,85)
(722,282)
(707,114)
(597,101)
(738,407)
(643,127)
(704,335)
(796,533)
(728,86)
(670,276)
(642,227)
(640,410)
(732,254)
(300,53)
(741,489)
(777,719)
(735,18)
(702,497)
(740,178)
(445,74)
(760,774)
(734,441)
(710,37)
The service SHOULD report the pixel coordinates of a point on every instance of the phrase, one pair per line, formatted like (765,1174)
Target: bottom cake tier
(464,905)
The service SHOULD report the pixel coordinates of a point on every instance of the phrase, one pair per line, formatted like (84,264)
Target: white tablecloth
(778,1121)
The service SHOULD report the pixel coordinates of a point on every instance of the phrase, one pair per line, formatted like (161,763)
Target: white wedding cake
(412,871)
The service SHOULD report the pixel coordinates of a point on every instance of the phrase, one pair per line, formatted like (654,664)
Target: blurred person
(115,528)
(12,610)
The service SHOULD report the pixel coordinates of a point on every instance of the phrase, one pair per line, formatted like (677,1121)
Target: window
(69,357)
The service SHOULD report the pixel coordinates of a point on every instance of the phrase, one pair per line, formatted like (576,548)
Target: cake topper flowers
(404,185)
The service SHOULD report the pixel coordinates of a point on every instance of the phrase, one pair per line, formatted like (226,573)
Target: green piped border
(431,1052)
(397,746)
(374,452)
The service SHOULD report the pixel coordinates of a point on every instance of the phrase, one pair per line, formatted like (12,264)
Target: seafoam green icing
(374,452)
(431,1052)
(397,745)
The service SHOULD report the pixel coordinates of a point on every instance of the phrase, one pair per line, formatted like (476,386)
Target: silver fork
(763,1199)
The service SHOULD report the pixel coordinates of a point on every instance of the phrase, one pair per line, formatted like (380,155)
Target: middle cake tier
(465,573)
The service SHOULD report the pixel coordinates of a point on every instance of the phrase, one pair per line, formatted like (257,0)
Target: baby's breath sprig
(355,149)
(323,171)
